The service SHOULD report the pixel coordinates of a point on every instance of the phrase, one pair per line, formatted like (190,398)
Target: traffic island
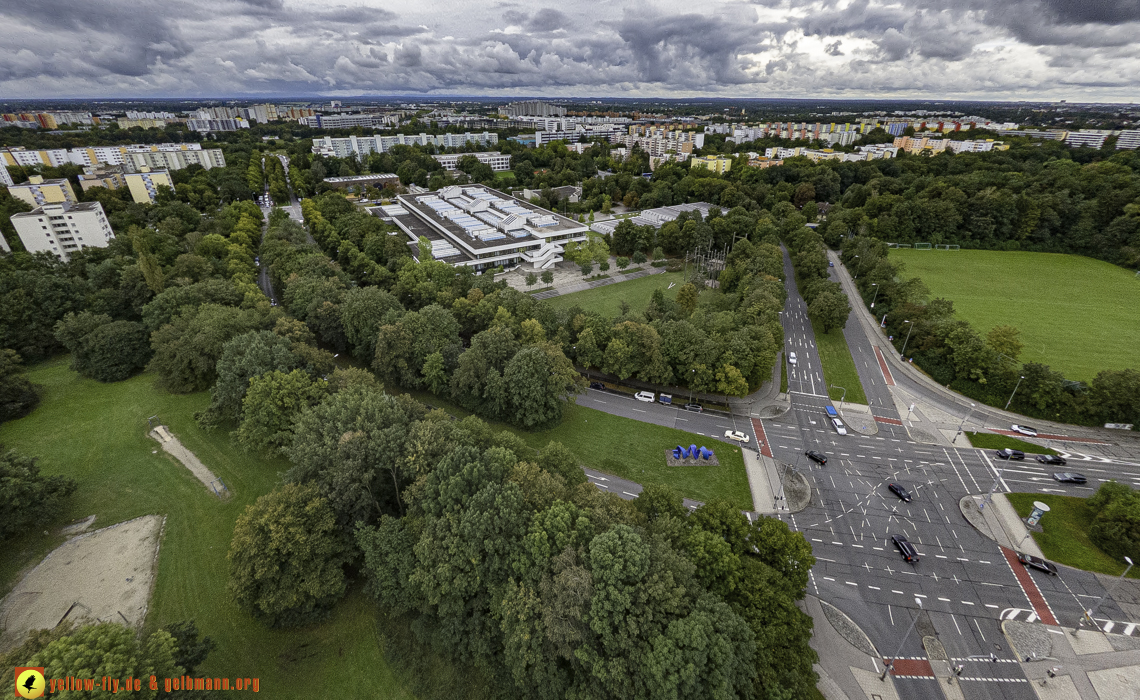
(858,417)
(797,491)
(673,460)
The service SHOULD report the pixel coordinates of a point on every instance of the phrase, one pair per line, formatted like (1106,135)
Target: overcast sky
(1080,50)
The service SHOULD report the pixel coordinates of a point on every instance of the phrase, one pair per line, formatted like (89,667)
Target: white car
(646,396)
(1024,430)
(791,358)
(839,426)
(735,435)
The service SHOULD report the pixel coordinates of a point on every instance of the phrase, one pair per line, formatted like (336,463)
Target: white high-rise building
(62,229)
(1128,139)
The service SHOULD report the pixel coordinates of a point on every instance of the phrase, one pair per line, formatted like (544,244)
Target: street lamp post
(1092,611)
(903,354)
(859,268)
(972,407)
(876,286)
(990,495)
(891,664)
(1014,392)
(843,398)
(691,380)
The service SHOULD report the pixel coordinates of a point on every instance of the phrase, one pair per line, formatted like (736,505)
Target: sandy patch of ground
(173,446)
(106,575)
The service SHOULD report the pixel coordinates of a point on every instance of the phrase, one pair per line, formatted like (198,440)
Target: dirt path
(106,575)
(174,447)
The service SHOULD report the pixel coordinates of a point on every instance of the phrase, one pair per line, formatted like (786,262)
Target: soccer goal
(942,246)
(922,246)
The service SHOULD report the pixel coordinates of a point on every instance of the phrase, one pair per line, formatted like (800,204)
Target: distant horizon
(558,99)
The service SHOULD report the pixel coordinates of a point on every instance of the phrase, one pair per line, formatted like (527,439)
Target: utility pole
(1014,392)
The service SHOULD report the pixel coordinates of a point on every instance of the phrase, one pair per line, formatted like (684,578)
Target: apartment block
(1089,138)
(361,146)
(5,176)
(348,121)
(144,184)
(125,123)
(498,161)
(1128,139)
(477,226)
(717,164)
(162,156)
(205,125)
(534,108)
(38,191)
(62,229)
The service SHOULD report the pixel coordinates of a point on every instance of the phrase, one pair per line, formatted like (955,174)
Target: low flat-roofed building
(480,227)
(64,228)
(108,176)
(653,217)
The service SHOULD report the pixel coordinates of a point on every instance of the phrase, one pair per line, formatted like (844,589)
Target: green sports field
(1076,314)
(607,300)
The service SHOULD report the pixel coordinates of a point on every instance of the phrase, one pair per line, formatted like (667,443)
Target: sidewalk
(999,522)
(846,671)
(762,482)
(1088,666)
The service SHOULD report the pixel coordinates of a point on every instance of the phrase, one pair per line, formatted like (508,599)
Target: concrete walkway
(173,446)
(761,471)
(1088,665)
(999,522)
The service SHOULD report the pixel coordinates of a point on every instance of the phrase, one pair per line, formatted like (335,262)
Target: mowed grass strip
(97,434)
(992,441)
(1076,314)
(634,450)
(1065,538)
(606,300)
(839,367)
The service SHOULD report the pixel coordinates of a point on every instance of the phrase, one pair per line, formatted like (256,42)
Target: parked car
(839,426)
(1024,430)
(666,399)
(791,358)
(696,407)
(830,264)
(900,491)
(735,435)
(817,457)
(1052,459)
(1070,478)
(646,396)
(1038,563)
(905,548)
(1010,454)
(598,385)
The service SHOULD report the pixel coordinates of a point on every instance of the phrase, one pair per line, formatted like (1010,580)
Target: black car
(818,457)
(1038,563)
(905,548)
(598,385)
(1052,459)
(900,491)
(1010,454)
(1070,478)
(694,407)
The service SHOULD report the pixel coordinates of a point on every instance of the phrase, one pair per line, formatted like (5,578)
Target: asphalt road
(965,581)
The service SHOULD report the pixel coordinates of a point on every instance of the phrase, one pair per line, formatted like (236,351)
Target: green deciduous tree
(18,396)
(272,405)
(110,649)
(829,310)
(30,498)
(287,557)
(187,350)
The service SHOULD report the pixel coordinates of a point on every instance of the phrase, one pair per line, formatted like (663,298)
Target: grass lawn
(839,367)
(634,450)
(96,433)
(1076,314)
(1065,539)
(991,441)
(607,300)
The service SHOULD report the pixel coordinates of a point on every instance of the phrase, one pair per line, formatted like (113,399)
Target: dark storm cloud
(579,46)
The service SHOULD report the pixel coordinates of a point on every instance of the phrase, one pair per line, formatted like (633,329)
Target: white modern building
(653,217)
(497,161)
(1090,138)
(477,226)
(361,146)
(63,229)
(1128,139)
